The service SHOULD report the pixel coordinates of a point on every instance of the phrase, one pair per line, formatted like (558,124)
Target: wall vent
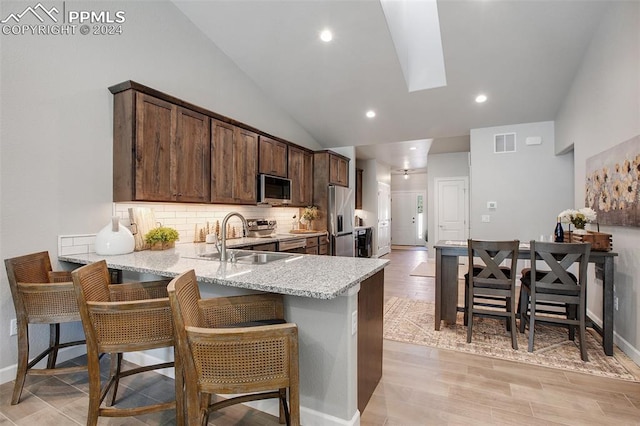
(504,142)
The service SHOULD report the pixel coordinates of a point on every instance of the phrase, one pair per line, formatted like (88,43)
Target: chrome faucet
(223,233)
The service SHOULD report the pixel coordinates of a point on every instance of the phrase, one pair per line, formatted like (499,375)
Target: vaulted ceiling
(522,54)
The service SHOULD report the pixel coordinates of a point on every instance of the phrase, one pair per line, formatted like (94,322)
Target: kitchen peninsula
(336,302)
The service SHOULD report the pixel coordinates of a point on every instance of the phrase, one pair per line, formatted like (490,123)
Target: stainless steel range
(261,228)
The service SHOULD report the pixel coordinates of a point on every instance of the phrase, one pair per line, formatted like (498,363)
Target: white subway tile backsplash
(76,244)
(184,218)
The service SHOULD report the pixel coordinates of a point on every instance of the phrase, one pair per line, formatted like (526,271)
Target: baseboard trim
(626,347)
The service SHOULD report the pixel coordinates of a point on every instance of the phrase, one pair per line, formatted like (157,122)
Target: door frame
(436,215)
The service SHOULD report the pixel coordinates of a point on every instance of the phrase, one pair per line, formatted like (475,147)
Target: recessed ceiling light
(371,113)
(413,148)
(481,98)
(326,36)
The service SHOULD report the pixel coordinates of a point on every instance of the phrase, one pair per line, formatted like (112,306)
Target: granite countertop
(318,277)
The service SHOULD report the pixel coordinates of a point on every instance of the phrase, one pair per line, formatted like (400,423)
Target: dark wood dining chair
(40,296)
(234,345)
(491,289)
(552,294)
(122,318)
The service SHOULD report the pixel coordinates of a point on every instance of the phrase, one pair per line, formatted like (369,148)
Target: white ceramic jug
(114,239)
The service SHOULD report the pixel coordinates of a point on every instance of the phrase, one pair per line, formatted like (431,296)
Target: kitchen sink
(247,256)
(262,258)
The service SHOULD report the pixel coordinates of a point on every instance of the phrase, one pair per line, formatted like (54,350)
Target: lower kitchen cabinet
(370,312)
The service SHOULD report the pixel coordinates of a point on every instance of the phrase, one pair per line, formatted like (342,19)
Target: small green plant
(161,234)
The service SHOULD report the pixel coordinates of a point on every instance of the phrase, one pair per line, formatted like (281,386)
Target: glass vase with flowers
(310,214)
(579,218)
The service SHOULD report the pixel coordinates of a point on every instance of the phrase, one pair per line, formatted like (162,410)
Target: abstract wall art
(613,184)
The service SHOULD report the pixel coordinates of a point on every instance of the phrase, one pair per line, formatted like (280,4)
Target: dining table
(447,261)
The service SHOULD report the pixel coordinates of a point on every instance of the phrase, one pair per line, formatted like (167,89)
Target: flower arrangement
(579,218)
(310,213)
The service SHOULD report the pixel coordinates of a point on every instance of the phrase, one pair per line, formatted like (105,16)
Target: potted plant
(161,238)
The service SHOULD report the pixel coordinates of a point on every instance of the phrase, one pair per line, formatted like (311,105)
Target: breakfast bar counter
(336,302)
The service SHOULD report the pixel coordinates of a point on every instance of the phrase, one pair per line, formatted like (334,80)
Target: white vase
(114,239)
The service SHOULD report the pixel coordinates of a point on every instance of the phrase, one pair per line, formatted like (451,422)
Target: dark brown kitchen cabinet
(358,189)
(161,150)
(301,175)
(273,157)
(338,170)
(322,161)
(234,164)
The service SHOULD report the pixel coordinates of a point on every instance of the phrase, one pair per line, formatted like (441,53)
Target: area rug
(428,269)
(412,321)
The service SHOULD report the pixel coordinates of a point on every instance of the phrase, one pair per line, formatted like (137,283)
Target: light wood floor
(420,386)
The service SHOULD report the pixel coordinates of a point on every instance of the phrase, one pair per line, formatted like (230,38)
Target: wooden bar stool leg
(54,343)
(23,361)
(114,375)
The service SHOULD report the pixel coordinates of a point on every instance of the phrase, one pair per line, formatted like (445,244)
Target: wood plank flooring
(420,386)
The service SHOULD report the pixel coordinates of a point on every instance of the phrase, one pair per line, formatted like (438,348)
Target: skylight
(415,31)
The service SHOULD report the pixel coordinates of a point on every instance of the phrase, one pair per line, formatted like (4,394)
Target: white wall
(531,186)
(441,166)
(373,172)
(416,182)
(57,118)
(601,111)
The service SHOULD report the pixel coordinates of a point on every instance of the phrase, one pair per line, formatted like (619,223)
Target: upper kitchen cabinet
(334,167)
(273,157)
(234,164)
(301,175)
(161,150)
(338,170)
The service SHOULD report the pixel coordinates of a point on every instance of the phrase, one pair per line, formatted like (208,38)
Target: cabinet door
(193,156)
(338,170)
(301,175)
(358,188)
(246,166)
(222,165)
(155,131)
(273,157)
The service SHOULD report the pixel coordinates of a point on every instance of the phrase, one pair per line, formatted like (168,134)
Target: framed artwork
(613,184)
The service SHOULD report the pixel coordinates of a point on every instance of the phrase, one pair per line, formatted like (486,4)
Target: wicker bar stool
(123,318)
(234,345)
(40,296)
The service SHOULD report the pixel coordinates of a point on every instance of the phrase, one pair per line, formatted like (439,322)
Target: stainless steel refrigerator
(341,216)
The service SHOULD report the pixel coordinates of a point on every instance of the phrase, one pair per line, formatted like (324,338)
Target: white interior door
(408,218)
(452,209)
(384,219)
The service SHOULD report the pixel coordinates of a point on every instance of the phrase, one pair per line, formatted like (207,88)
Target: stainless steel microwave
(273,190)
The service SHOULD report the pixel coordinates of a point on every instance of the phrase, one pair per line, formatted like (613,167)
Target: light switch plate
(486,218)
